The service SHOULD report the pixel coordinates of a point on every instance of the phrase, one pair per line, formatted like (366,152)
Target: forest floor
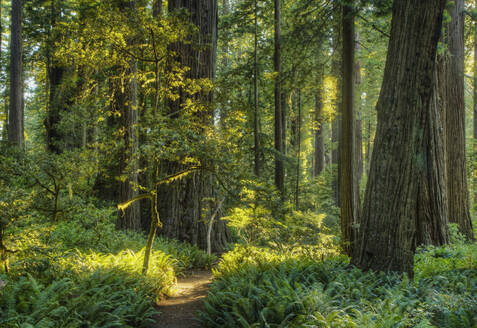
(180,310)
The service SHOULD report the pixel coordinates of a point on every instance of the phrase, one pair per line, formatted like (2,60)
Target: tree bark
(336,124)
(405,196)
(256,116)
(475,80)
(457,189)
(319,131)
(279,117)
(130,219)
(15,115)
(348,174)
(183,204)
(298,153)
(358,121)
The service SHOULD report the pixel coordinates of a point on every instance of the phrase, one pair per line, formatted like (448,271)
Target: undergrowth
(259,287)
(82,272)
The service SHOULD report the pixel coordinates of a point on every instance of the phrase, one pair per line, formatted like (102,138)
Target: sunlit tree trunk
(279,117)
(130,219)
(319,131)
(405,196)
(15,115)
(298,152)
(336,124)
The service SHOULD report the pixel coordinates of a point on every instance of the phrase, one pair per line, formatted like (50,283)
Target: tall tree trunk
(458,193)
(475,79)
(183,205)
(348,187)
(336,124)
(319,131)
(15,115)
(298,153)
(130,219)
(405,195)
(256,114)
(279,117)
(56,98)
(475,107)
(358,121)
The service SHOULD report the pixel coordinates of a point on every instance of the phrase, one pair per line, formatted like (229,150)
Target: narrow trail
(179,311)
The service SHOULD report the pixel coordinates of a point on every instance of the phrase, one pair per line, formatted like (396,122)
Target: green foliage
(82,271)
(263,288)
(107,298)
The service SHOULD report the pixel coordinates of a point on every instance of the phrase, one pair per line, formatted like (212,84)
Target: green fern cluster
(104,299)
(84,273)
(262,288)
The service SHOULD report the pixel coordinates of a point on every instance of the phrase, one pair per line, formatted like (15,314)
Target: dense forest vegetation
(319,157)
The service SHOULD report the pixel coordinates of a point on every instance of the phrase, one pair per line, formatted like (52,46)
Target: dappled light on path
(180,311)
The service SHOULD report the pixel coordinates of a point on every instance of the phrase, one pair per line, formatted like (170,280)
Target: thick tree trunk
(405,196)
(279,117)
(15,115)
(348,178)
(182,204)
(458,193)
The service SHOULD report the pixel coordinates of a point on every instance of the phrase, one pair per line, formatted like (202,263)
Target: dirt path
(179,311)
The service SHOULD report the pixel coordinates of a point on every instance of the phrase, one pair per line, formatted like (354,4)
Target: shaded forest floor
(180,310)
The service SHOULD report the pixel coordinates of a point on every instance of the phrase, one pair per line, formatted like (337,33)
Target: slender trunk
(358,121)
(348,190)
(256,119)
(405,196)
(16,116)
(458,193)
(155,223)
(475,109)
(336,124)
(475,80)
(319,131)
(211,224)
(279,117)
(298,154)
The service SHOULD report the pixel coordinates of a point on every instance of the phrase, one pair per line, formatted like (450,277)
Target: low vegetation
(259,287)
(82,272)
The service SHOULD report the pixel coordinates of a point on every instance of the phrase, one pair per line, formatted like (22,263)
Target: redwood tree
(348,181)
(183,206)
(279,117)
(453,91)
(15,115)
(405,199)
